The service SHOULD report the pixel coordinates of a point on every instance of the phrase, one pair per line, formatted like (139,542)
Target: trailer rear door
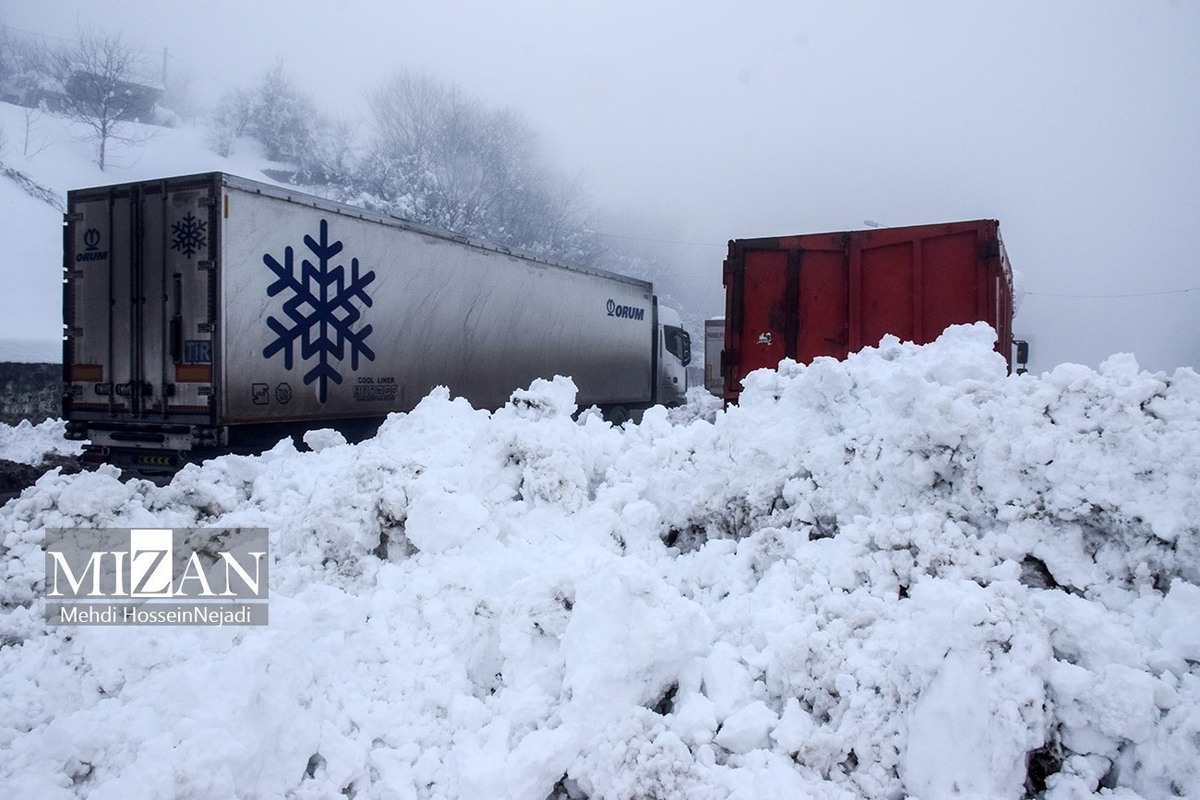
(139,302)
(801,297)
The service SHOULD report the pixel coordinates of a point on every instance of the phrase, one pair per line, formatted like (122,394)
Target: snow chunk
(955,748)
(747,728)
(1176,622)
(440,518)
(553,398)
(323,439)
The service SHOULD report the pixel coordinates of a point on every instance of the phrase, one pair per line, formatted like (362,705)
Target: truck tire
(617,415)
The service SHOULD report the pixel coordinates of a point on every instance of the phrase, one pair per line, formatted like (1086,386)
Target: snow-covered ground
(904,575)
(56,155)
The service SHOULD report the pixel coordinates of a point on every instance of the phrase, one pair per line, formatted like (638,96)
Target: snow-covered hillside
(60,158)
(904,575)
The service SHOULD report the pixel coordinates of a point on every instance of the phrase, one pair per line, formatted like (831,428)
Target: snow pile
(27,443)
(902,575)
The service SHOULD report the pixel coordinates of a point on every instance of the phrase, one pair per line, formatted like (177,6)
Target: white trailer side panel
(327,314)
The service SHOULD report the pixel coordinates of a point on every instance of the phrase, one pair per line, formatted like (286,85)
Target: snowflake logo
(321,313)
(189,235)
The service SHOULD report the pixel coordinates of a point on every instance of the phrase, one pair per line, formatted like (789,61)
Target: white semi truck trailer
(208,313)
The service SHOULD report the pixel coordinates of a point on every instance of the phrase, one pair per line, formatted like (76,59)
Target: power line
(199,71)
(1113,296)
(658,241)
(169,54)
(33,33)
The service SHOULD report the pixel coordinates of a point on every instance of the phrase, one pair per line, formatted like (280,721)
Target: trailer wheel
(617,415)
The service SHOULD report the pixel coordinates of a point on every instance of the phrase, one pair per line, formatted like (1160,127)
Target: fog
(1074,123)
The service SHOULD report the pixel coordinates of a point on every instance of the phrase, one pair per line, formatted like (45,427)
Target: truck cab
(674,355)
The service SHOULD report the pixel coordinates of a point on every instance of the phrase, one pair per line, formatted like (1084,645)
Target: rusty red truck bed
(831,294)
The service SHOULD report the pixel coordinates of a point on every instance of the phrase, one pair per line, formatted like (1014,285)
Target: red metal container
(831,294)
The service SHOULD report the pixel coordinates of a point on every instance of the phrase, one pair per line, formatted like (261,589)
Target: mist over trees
(428,151)
(443,158)
(430,154)
(24,68)
(96,79)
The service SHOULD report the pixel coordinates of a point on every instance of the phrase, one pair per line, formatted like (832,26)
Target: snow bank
(27,443)
(907,574)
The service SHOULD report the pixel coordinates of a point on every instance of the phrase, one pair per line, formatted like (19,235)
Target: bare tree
(284,120)
(420,153)
(100,79)
(34,140)
(409,111)
(333,154)
(444,159)
(281,116)
(229,120)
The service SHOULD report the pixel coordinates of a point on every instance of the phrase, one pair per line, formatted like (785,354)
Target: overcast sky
(1076,124)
